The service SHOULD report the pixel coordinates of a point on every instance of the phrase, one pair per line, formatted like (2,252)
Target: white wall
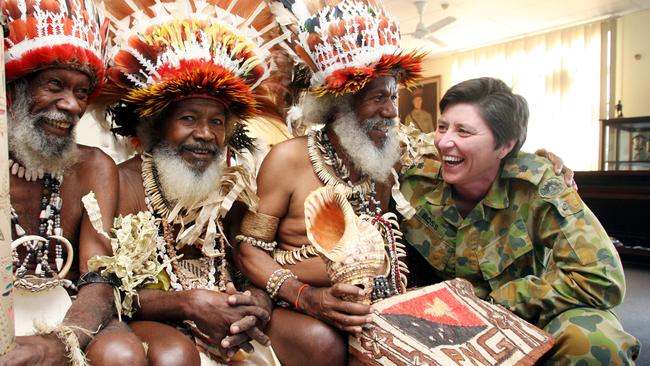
(633,64)
(90,132)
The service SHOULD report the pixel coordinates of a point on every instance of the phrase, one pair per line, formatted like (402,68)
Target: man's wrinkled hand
(214,316)
(36,350)
(558,167)
(325,303)
(251,326)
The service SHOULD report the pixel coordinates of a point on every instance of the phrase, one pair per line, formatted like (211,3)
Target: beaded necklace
(49,224)
(183,274)
(361,197)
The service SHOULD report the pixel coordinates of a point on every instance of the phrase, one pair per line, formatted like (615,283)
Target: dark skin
(66,90)
(231,319)
(285,179)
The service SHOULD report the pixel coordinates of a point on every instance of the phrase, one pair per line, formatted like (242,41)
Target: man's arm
(94,304)
(275,185)
(274,190)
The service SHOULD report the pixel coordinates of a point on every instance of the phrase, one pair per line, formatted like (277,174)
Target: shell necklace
(38,251)
(324,158)
(183,274)
(332,172)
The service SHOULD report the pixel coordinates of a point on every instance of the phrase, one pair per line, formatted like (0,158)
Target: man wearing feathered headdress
(356,64)
(54,62)
(186,77)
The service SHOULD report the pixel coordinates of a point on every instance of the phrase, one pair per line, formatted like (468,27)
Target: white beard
(33,148)
(181,184)
(368,158)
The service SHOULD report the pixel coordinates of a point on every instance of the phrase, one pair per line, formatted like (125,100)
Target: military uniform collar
(427,168)
(525,166)
(440,197)
(497,196)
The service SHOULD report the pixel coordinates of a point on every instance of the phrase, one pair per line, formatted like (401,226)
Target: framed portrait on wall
(419,106)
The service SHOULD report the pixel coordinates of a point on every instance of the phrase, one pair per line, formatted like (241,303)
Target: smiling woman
(501,219)
(467,147)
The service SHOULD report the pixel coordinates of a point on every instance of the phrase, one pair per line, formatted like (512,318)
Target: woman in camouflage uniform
(501,219)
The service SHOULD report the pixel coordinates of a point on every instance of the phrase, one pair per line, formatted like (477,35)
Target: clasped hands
(232,319)
(326,304)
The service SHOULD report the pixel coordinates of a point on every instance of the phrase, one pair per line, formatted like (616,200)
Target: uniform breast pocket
(420,232)
(508,257)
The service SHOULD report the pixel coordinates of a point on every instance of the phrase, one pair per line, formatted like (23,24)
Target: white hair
(374,161)
(181,184)
(319,110)
(30,145)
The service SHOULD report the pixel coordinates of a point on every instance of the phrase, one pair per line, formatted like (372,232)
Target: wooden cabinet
(625,143)
(621,202)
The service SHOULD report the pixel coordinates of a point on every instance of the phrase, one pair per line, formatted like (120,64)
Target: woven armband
(276,280)
(259,226)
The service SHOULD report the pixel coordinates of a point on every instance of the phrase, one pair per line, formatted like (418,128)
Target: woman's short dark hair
(506,113)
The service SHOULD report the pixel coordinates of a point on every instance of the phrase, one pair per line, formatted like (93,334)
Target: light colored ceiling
(481,22)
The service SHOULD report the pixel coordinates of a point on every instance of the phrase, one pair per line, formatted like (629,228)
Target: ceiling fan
(424,32)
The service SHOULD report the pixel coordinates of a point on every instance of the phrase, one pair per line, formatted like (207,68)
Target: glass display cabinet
(625,143)
(619,194)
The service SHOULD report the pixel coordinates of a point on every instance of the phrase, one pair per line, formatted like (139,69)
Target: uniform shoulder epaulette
(566,200)
(551,188)
(529,167)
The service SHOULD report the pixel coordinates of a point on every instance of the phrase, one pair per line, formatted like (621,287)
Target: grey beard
(30,145)
(181,184)
(368,158)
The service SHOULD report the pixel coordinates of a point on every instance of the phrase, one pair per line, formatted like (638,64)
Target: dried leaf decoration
(134,259)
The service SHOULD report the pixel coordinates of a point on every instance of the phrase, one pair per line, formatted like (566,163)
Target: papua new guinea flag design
(435,319)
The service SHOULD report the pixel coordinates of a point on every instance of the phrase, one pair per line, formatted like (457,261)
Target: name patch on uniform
(551,188)
(426,218)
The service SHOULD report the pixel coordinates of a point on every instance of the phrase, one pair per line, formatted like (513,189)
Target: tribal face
(189,153)
(43,115)
(376,109)
(366,128)
(196,129)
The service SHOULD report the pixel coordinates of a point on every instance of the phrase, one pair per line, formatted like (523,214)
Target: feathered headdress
(46,33)
(347,44)
(173,50)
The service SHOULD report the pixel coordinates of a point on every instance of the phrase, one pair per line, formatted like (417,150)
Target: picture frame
(429,90)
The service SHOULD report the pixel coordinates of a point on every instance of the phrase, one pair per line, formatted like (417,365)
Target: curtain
(559,74)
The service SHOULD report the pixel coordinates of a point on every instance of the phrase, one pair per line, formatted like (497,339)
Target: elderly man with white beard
(186,166)
(186,77)
(353,93)
(54,63)
(360,138)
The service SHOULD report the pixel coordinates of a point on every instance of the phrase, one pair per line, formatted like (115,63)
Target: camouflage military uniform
(532,246)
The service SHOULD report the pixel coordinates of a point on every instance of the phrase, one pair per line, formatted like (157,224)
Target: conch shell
(352,248)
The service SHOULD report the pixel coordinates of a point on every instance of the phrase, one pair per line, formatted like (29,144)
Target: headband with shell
(54,33)
(171,51)
(348,44)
